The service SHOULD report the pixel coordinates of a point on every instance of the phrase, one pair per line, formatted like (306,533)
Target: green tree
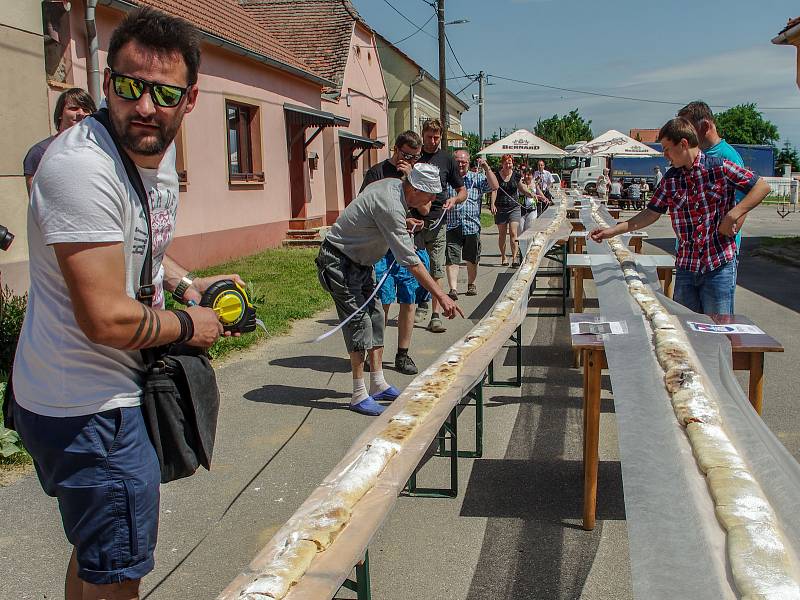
(473,144)
(744,124)
(787,155)
(566,130)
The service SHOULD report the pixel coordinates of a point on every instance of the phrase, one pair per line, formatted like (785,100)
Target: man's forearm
(173,273)
(491,178)
(461,195)
(752,199)
(638,221)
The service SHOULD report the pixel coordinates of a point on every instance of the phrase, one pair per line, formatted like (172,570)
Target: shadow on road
(298,396)
(533,546)
(324,364)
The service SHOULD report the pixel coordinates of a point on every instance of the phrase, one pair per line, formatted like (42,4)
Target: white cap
(425,177)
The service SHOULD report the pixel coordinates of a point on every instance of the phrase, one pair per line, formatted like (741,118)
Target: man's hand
(729,224)
(449,308)
(449,203)
(404,167)
(600,234)
(414,225)
(199,285)
(207,327)
(481,163)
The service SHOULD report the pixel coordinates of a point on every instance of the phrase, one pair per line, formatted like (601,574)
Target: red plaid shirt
(698,197)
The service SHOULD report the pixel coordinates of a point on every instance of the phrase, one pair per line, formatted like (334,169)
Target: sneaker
(472,290)
(389,394)
(453,295)
(436,325)
(420,313)
(405,365)
(368,407)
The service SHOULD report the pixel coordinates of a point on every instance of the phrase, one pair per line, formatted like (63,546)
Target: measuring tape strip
(372,295)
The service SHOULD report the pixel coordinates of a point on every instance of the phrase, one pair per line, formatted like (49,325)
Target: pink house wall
(363,82)
(217,220)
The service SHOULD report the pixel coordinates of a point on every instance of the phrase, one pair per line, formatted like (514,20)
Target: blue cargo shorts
(104,472)
(400,285)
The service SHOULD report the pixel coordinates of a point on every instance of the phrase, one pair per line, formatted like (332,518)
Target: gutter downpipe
(412,97)
(93,67)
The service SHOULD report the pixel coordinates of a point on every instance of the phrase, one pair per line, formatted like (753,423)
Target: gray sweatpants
(350,284)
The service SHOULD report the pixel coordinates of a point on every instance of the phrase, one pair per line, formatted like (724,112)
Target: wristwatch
(181,288)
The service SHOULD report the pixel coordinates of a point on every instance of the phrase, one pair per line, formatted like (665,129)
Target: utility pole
(442,74)
(481,79)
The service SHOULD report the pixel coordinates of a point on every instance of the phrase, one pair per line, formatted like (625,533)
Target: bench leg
(449,431)
(592,369)
(756,385)
(361,585)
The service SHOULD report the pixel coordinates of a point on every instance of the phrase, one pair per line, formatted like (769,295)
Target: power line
(417,31)
(453,52)
(630,98)
(390,5)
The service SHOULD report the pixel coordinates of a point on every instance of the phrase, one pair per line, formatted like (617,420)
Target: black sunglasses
(410,156)
(131,88)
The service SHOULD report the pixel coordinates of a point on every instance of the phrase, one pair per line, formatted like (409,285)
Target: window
(57,38)
(244,143)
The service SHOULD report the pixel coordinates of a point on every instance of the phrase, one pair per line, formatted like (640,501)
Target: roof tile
(318,31)
(226,19)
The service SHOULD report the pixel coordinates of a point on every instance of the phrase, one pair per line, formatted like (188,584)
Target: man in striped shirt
(698,191)
(464,223)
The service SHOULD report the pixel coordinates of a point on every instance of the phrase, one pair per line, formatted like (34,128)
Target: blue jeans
(708,293)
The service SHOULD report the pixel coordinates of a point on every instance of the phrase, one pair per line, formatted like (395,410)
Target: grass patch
(282,285)
(781,242)
(487,219)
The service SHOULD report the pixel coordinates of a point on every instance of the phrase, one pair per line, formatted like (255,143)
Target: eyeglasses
(410,157)
(130,88)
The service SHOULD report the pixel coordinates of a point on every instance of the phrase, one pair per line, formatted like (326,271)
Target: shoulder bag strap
(146,289)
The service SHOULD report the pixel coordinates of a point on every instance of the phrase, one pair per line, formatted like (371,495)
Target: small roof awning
(454,136)
(311,117)
(358,141)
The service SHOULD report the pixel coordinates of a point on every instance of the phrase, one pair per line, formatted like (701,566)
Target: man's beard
(149,144)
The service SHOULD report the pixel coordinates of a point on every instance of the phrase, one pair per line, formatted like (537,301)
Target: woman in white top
(602,186)
(531,194)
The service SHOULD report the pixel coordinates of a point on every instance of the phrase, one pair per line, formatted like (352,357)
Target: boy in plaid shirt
(699,193)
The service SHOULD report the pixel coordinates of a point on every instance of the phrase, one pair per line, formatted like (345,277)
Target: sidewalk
(513,532)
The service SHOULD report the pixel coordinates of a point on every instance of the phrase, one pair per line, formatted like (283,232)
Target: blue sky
(674,50)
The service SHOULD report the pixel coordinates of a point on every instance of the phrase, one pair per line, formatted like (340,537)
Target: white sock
(359,391)
(376,382)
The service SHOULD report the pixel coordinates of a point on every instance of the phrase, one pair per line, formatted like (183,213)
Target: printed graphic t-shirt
(81,194)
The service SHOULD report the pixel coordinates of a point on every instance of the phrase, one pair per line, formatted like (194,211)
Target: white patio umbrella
(614,144)
(523,142)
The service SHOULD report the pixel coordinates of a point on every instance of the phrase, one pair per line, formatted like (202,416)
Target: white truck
(582,172)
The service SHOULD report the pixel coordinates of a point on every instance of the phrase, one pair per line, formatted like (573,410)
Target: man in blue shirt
(464,223)
(700,115)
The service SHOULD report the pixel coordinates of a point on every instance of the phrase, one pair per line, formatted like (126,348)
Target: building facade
(413,95)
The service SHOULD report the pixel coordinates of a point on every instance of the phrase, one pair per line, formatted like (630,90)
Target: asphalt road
(514,530)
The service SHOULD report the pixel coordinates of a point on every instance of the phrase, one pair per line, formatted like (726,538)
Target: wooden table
(747,353)
(581,266)
(575,213)
(578,241)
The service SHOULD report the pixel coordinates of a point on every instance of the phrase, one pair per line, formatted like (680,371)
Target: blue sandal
(389,394)
(368,407)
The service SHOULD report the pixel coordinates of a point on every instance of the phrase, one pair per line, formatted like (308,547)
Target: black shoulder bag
(180,400)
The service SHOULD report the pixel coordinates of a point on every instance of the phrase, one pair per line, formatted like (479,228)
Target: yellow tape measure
(229,300)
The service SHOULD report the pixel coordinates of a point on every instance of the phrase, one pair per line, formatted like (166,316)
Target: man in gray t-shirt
(370,225)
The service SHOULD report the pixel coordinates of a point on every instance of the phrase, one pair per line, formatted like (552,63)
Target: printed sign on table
(737,328)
